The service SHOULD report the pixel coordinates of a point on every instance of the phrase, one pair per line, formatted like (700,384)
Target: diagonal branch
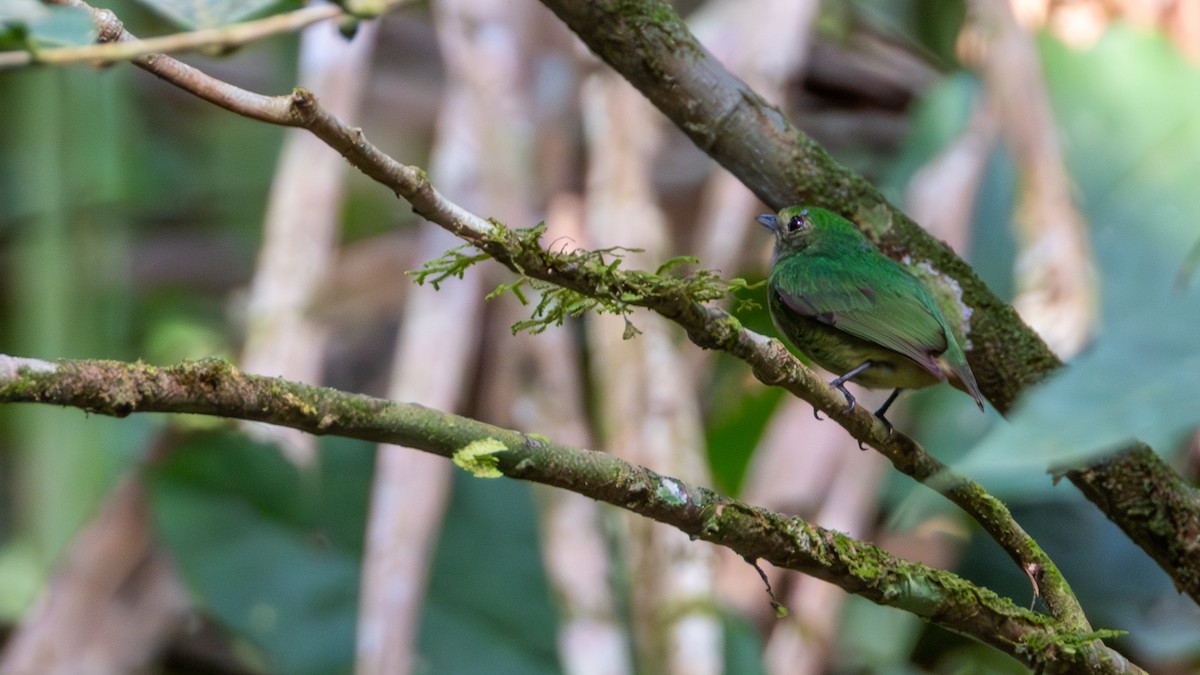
(653,49)
(213,387)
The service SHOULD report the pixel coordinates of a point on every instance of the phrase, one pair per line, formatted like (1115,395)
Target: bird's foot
(887,425)
(883,409)
(840,384)
(851,404)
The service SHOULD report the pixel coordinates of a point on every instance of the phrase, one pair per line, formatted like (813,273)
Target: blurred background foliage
(131,216)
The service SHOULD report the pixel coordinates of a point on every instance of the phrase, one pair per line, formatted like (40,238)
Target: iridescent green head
(796,227)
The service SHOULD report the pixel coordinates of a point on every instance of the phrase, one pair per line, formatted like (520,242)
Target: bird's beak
(769,221)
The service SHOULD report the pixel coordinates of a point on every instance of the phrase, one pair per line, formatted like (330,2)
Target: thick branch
(1142,495)
(213,387)
(651,47)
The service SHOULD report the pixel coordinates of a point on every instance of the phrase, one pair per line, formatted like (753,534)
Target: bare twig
(222,38)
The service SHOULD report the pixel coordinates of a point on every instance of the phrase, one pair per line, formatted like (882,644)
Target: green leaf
(676,262)
(1137,382)
(1134,151)
(859,647)
(42,27)
(743,644)
(272,553)
(195,14)
(479,457)
(739,410)
(488,607)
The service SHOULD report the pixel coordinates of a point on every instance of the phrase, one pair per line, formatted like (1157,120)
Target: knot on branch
(108,27)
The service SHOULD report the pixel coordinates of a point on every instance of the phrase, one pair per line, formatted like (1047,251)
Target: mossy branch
(616,291)
(214,387)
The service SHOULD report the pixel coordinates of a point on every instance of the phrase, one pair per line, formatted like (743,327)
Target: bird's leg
(883,408)
(840,384)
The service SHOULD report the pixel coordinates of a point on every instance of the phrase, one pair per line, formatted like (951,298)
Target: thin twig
(222,38)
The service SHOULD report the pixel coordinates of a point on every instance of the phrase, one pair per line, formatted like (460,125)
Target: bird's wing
(882,304)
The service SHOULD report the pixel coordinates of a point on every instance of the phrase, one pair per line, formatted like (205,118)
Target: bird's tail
(960,375)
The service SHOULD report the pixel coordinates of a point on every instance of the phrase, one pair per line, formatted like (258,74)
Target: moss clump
(573,283)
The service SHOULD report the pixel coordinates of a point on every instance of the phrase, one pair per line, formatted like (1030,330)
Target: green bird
(856,312)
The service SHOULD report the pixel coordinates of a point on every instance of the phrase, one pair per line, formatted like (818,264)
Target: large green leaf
(28,23)
(738,411)
(743,645)
(1133,145)
(271,552)
(488,607)
(194,14)
(1125,112)
(1138,382)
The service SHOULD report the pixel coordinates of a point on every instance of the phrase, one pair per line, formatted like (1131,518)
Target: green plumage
(836,297)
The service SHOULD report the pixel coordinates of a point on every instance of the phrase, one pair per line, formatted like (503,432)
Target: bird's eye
(797,222)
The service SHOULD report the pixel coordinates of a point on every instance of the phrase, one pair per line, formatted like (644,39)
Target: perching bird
(856,312)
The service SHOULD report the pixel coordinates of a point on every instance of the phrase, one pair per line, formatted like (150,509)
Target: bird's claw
(887,425)
(851,404)
(879,412)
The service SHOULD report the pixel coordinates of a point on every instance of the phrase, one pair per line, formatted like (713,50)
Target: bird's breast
(840,352)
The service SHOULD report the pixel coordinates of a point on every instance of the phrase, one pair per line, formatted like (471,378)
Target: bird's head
(799,227)
(792,226)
